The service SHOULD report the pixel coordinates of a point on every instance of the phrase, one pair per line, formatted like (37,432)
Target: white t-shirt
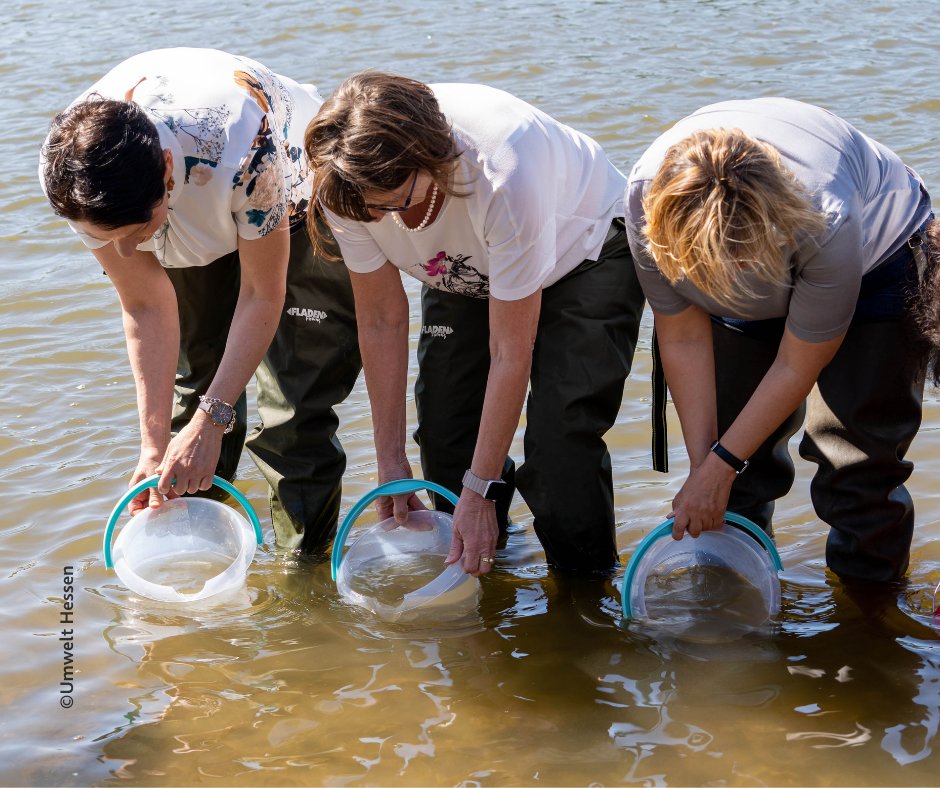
(235,130)
(541,200)
(872,203)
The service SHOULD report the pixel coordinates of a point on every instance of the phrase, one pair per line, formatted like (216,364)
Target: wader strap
(660,457)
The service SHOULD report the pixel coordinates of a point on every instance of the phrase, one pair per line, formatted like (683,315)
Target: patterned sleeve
(262,186)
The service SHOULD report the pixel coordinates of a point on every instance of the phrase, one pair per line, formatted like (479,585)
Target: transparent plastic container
(397,571)
(186,550)
(714,587)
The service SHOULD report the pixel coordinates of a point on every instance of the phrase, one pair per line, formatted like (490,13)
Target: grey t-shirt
(871,200)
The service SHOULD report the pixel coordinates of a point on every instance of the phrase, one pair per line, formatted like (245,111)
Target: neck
(416,213)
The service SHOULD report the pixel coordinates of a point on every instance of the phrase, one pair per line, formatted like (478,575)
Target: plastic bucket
(395,571)
(186,550)
(710,588)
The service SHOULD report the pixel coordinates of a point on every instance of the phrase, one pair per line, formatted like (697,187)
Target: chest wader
(310,367)
(861,418)
(583,351)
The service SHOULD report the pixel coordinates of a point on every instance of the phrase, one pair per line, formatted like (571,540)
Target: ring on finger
(487,559)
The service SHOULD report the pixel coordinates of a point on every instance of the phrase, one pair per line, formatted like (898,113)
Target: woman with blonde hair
(513,222)
(783,254)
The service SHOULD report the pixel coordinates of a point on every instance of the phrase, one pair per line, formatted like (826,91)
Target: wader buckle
(916,244)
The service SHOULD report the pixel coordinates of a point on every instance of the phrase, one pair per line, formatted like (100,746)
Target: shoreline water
(286,684)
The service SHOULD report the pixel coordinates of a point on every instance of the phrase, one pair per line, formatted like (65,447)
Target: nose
(125,246)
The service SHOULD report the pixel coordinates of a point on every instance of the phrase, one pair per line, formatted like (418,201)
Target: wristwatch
(221,413)
(488,488)
(736,464)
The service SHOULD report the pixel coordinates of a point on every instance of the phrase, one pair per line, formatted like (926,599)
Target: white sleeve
(360,251)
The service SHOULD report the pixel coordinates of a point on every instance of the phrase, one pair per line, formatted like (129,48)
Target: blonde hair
(371,135)
(722,203)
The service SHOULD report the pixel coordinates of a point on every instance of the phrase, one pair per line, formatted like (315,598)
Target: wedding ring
(487,559)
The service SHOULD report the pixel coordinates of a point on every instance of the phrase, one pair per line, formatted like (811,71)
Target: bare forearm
(152,336)
(691,377)
(784,387)
(253,325)
(506,388)
(513,327)
(385,365)
(685,343)
(382,314)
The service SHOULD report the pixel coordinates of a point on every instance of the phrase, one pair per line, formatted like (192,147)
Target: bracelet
(736,464)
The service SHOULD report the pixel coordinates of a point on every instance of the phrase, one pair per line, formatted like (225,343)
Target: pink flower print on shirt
(435,266)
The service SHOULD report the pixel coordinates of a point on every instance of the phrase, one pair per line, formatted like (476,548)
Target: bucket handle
(665,528)
(152,481)
(397,487)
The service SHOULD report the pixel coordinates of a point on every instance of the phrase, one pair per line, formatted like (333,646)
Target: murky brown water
(285,684)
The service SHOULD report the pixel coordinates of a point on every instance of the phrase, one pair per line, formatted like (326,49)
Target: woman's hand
(397,506)
(146,467)
(475,534)
(703,499)
(191,457)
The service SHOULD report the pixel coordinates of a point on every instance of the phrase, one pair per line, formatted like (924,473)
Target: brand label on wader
(441,332)
(314,315)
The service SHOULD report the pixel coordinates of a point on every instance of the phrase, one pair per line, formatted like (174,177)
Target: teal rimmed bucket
(187,549)
(722,583)
(397,571)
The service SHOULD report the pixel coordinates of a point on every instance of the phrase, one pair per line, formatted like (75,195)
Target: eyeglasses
(397,208)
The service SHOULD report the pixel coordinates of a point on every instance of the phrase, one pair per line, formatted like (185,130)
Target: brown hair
(722,202)
(371,135)
(104,164)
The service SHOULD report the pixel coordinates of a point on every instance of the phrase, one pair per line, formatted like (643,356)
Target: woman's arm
(513,326)
(382,318)
(192,455)
(686,347)
(151,329)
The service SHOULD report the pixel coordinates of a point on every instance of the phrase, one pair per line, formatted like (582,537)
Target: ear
(167,165)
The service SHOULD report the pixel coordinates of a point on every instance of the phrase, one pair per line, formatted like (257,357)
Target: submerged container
(712,588)
(397,571)
(186,550)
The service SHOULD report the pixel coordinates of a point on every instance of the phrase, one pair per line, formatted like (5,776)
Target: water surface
(546,684)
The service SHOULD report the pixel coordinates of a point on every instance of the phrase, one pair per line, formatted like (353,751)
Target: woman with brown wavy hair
(513,222)
(783,254)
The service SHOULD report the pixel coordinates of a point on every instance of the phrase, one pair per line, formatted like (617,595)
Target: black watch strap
(737,464)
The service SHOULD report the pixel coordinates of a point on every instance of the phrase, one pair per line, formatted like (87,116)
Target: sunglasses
(397,208)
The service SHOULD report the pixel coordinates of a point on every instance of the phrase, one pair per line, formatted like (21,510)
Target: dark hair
(104,164)
(371,135)
(924,307)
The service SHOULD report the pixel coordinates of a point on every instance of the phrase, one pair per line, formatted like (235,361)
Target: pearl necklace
(424,221)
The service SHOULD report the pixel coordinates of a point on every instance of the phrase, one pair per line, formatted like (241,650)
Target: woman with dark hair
(513,222)
(182,170)
(783,254)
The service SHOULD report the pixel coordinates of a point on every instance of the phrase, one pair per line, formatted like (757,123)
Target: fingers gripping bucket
(388,558)
(720,584)
(185,550)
